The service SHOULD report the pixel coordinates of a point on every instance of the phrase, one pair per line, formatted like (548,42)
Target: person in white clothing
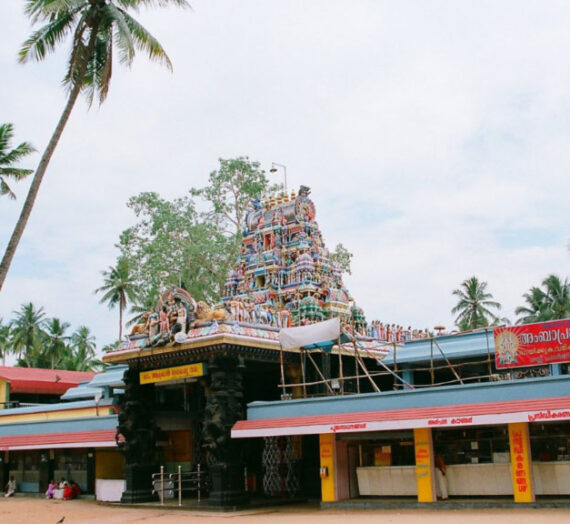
(441,479)
(10,488)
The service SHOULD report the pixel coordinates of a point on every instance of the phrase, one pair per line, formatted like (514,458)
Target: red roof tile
(42,381)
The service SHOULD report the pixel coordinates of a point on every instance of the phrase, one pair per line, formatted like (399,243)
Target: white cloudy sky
(435,137)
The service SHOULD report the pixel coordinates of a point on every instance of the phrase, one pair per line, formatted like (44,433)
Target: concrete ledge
(452,503)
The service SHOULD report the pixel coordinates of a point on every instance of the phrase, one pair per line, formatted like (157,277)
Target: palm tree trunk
(120,322)
(42,166)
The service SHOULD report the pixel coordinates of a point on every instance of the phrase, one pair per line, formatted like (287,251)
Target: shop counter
(387,480)
(479,479)
(551,478)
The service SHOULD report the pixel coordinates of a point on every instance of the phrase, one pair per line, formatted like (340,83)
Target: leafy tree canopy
(230,190)
(342,257)
(174,244)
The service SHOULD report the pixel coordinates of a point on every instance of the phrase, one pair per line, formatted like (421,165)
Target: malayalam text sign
(532,344)
(167,374)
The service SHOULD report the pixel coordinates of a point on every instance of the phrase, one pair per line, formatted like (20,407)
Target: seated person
(58,492)
(68,492)
(10,488)
(51,490)
(75,489)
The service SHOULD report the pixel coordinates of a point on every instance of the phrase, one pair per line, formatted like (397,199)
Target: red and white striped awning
(84,439)
(488,413)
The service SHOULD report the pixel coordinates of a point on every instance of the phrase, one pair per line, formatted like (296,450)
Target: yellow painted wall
(109,464)
(425,472)
(55,415)
(4,393)
(521,462)
(327,454)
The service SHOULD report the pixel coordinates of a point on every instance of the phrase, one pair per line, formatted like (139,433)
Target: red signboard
(532,344)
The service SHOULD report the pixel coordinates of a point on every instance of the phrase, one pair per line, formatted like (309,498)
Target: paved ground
(40,511)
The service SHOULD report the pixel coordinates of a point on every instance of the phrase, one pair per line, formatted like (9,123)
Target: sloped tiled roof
(42,381)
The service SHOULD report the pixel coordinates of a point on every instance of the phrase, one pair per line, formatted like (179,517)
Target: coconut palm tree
(536,309)
(5,340)
(558,293)
(97,29)
(83,342)
(119,288)
(10,157)
(551,302)
(56,340)
(79,355)
(146,300)
(473,305)
(27,333)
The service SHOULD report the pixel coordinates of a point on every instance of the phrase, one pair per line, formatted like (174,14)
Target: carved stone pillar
(225,406)
(136,437)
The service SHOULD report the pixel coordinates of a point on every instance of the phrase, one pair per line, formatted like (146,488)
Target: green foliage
(55,340)
(5,339)
(119,287)
(473,305)
(172,245)
(342,257)
(40,342)
(552,302)
(10,157)
(98,30)
(230,191)
(27,333)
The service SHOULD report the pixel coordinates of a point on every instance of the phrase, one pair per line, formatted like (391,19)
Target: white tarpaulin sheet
(297,337)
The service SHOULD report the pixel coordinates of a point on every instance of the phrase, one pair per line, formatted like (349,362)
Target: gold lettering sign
(167,374)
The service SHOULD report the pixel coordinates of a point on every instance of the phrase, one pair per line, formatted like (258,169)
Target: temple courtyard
(27,510)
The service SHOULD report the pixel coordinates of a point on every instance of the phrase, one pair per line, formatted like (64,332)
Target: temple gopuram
(284,275)
(192,368)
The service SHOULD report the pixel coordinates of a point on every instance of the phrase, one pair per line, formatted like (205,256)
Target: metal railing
(166,485)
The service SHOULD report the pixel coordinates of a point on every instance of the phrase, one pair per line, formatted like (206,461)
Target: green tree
(10,157)
(536,309)
(552,302)
(172,246)
(97,28)
(79,355)
(5,340)
(558,296)
(473,305)
(83,342)
(27,334)
(119,288)
(343,258)
(231,189)
(56,340)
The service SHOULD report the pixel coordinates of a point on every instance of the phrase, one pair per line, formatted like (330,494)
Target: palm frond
(144,41)
(122,34)
(46,38)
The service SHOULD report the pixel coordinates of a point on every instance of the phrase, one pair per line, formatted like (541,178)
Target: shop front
(497,439)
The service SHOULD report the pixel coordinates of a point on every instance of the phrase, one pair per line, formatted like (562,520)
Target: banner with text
(532,344)
(169,374)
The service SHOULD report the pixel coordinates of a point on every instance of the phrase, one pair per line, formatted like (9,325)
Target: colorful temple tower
(284,275)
